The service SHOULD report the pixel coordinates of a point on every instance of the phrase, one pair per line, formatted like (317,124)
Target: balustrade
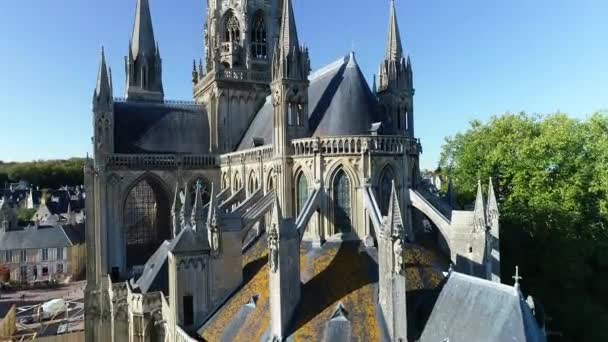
(248,156)
(354,145)
(159,162)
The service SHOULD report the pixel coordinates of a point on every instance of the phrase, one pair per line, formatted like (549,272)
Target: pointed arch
(146,221)
(384,187)
(225,181)
(270,181)
(301,192)
(253,183)
(259,44)
(232,28)
(342,202)
(237,181)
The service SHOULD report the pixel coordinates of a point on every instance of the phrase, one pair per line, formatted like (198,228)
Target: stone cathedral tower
(234,82)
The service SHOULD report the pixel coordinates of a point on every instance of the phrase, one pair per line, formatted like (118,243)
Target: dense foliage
(551,178)
(44,174)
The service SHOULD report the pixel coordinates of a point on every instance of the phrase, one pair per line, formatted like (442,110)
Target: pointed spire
(102,98)
(492,204)
(288,37)
(480,210)
(374,87)
(197,218)
(213,217)
(394,50)
(395,217)
(142,40)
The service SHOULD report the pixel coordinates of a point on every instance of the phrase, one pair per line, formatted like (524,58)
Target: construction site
(48,315)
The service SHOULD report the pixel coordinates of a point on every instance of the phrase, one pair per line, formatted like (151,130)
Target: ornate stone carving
(398,256)
(273,246)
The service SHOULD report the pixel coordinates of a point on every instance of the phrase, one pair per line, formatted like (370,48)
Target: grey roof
(43,237)
(340,102)
(394,50)
(160,128)
(156,274)
(189,241)
(143,33)
(474,309)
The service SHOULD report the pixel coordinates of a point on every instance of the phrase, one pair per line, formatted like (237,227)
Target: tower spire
(142,40)
(394,50)
(288,37)
(103,89)
(143,63)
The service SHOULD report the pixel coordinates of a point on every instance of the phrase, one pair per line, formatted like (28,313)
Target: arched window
(384,189)
(236,184)
(253,183)
(205,190)
(146,221)
(270,184)
(342,203)
(258,37)
(301,192)
(232,29)
(224,181)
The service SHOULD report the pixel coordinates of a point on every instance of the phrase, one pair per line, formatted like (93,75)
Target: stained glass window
(146,222)
(342,203)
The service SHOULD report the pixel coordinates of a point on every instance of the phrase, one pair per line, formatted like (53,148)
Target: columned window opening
(146,221)
(232,29)
(259,48)
(342,203)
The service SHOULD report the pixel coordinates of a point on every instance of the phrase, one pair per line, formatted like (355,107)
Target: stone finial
(492,203)
(517,277)
(480,210)
(213,223)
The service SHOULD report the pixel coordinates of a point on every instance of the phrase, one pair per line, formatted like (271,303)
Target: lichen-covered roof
(143,127)
(338,273)
(340,102)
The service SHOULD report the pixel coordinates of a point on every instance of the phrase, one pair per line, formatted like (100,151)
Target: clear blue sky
(472,59)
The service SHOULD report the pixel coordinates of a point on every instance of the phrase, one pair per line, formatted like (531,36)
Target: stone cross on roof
(517,277)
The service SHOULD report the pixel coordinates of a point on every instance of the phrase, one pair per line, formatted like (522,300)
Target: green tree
(551,179)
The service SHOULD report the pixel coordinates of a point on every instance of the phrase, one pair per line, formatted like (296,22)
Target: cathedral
(281,203)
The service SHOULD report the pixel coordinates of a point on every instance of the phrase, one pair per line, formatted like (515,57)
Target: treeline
(551,178)
(49,174)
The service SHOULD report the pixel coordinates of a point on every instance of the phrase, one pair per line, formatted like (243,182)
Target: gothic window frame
(145,219)
(342,192)
(259,37)
(231,28)
(253,183)
(302,192)
(384,188)
(237,181)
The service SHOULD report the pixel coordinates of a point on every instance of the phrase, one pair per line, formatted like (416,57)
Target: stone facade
(266,148)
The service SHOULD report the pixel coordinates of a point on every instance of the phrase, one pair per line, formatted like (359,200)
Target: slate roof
(155,276)
(43,237)
(142,127)
(340,102)
(338,273)
(474,309)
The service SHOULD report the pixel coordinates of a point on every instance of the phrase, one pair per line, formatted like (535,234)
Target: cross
(517,277)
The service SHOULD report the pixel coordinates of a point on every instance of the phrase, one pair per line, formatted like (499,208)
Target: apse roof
(340,102)
(143,127)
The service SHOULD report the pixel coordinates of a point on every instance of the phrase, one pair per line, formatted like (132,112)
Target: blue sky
(472,59)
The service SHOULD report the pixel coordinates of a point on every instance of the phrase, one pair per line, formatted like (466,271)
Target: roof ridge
(327,68)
